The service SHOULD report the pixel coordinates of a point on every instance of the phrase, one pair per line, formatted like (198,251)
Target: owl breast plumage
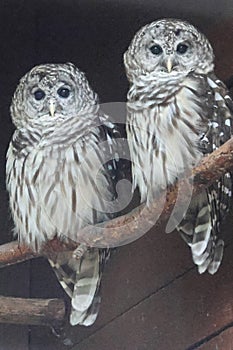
(170,145)
(52,183)
(178,111)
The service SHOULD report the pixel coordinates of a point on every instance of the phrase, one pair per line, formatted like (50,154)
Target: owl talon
(80,251)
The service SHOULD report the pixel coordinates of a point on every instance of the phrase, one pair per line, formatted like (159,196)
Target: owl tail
(199,229)
(81,278)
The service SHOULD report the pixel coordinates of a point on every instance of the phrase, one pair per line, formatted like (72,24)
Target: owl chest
(52,193)
(164,140)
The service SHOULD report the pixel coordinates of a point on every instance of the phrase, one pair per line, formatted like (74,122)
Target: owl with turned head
(178,111)
(61,174)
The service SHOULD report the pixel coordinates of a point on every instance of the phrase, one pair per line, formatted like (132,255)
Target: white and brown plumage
(57,178)
(177,112)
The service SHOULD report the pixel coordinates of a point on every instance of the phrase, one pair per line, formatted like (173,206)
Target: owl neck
(62,133)
(148,88)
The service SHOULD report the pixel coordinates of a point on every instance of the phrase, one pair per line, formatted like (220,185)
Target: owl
(61,174)
(177,112)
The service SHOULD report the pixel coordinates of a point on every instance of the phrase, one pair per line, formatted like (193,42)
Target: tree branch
(129,227)
(11,253)
(47,312)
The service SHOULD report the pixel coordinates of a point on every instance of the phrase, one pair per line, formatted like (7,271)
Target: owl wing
(221,132)
(200,227)
(119,166)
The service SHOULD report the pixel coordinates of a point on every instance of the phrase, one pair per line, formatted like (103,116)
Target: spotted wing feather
(200,227)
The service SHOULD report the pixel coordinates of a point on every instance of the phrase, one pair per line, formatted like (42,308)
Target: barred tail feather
(88,280)
(81,281)
(199,229)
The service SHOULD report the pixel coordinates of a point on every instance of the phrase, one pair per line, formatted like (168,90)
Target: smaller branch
(11,253)
(46,312)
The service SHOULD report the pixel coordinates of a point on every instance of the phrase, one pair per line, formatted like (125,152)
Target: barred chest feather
(164,138)
(53,186)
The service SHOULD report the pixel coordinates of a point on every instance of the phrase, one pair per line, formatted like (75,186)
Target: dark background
(153,297)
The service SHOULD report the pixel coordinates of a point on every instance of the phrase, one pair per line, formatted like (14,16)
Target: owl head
(168,46)
(51,92)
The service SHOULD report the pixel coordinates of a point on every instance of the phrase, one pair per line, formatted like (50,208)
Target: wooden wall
(153,297)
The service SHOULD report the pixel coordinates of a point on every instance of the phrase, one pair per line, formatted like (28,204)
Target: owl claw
(80,251)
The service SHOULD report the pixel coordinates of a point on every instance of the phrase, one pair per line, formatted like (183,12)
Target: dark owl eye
(182,48)
(156,49)
(39,94)
(63,92)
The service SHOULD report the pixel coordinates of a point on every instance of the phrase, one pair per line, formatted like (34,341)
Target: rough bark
(47,312)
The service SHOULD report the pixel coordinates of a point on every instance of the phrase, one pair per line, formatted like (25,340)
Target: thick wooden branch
(46,312)
(129,227)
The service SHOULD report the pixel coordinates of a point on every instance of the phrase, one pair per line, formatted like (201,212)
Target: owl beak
(52,108)
(169,65)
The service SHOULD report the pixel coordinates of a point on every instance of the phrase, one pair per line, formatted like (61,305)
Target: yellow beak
(169,64)
(52,107)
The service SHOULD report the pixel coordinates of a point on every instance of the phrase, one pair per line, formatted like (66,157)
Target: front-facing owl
(61,174)
(178,111)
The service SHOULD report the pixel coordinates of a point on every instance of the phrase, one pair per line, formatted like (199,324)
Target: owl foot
(80,251)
